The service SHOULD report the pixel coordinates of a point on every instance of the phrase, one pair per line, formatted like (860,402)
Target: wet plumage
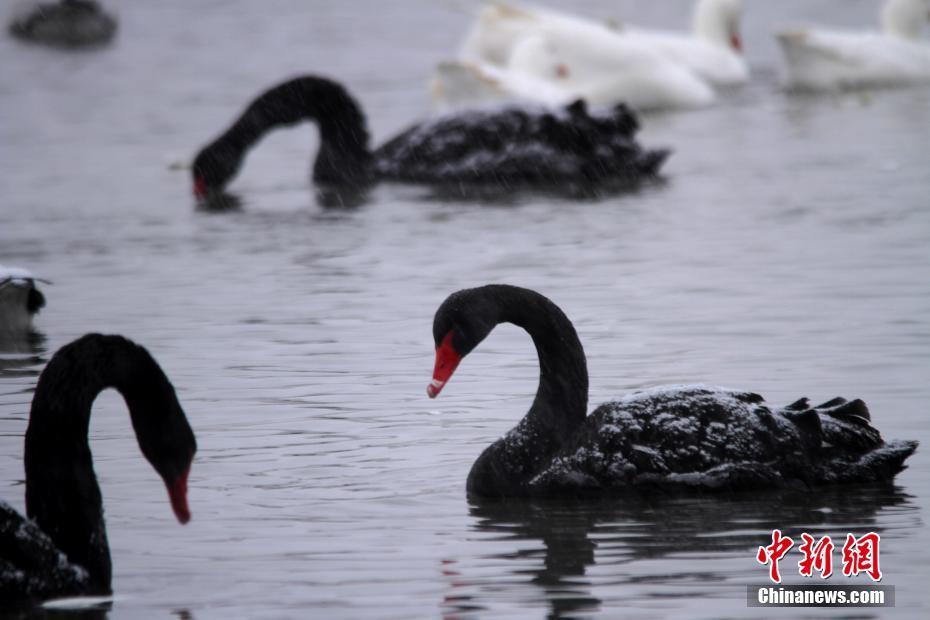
(716,439)
(671,438)
(513,144)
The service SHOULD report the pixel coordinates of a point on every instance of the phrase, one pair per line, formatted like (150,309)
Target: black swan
(503,146)
(20,300)
(669,438)
(62,549)
(68,24)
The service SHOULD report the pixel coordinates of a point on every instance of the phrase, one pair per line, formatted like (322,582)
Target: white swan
(458,84)
(606,70)
(713,49)
(543,55)
(19,300)
(830,60)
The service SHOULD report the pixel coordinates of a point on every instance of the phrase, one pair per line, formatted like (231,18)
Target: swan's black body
(62,494)
(68,24)
(506,146)
(673,438)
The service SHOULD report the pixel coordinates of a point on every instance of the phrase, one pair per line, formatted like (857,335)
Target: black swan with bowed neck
(62,549)
(503,146)
(672,438)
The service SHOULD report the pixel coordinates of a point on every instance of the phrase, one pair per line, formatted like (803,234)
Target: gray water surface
(787,253)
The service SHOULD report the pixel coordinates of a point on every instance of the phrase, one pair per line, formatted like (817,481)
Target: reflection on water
(22,355)
(557,542)
(342,197)
(567,548)
(91,608)
(513,194)
(219,202)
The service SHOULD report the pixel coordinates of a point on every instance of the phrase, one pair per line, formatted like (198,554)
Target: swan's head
(176,483)
(213,168)
(172,459)
(904,18)
(719,22)
(462,321)
(164,434)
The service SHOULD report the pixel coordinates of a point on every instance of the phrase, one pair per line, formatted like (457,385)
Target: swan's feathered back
(709,438)
(520,145)
(32,567)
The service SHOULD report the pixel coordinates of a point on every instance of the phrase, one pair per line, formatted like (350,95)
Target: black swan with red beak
(505,146)
(672,438)
(62,549)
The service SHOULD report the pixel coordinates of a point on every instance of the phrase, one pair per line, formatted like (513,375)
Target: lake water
(788,252)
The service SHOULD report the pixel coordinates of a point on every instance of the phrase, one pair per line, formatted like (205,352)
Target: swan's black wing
(520,145)
(715,439)
(31,566)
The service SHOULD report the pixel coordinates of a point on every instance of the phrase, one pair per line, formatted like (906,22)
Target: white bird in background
(606,69)
(713,48)
(463,84)
(820,59)
(20,300)
(541,55)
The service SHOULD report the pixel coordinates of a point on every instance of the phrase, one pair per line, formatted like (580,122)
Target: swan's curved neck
(561,402)
(344,156)
(903,18)
(62,493)
(562,396)
(716,21)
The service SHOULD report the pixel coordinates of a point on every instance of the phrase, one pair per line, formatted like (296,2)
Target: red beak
(200,187)
(736,42)
(447,359)
(177,491)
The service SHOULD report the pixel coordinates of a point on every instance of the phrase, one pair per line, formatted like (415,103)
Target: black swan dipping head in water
(63,549)
(670,438)
(507,145)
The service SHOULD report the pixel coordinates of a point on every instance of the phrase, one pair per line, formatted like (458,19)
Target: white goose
(832,60)
(605,69)
(19,300)
(465,84)
(542,55)
(713,49)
